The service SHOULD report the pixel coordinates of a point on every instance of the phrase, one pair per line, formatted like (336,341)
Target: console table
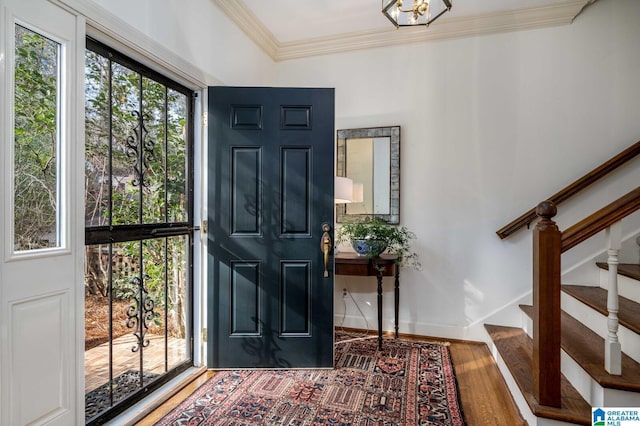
(379,266)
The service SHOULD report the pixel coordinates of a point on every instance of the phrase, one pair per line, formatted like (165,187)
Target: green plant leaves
(398,239)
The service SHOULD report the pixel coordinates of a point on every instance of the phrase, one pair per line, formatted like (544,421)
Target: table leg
(380,310)
(397,297)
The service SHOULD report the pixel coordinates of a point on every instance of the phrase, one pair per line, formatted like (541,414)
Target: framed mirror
(371,158)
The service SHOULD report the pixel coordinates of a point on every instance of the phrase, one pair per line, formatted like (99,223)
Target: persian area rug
(407,383)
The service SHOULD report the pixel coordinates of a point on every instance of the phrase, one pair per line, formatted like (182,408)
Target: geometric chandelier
(422,12)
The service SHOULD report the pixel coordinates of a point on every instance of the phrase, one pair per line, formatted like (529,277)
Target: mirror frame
(393,133)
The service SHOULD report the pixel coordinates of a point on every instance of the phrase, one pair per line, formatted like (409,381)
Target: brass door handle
(325,246)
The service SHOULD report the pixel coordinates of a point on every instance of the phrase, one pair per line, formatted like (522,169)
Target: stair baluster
(612,348)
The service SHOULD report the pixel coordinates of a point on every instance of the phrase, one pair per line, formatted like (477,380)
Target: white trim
(5,165)
(106,27)
(513,303)
(63,141)
(200,298)
(77,208)
(507,314)
(7,96)
(561,13)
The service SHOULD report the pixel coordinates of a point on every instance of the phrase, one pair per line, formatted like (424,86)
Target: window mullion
(110,144)
(141,150)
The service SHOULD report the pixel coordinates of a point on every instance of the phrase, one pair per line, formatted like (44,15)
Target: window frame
(64,111)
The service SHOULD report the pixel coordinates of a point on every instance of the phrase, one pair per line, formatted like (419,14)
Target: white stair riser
(592,391)
(597,322)
(588,388)
(620,398)
(526,412)
(530,418)
(549,422)
(527,324)
(627,287)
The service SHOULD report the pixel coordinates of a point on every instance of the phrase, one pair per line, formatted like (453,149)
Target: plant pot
(368,247)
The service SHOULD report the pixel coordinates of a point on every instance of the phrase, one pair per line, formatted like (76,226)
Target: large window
(139,230)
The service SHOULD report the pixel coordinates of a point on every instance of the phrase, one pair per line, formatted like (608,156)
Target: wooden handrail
(601,219)
(574,188)
(548,244)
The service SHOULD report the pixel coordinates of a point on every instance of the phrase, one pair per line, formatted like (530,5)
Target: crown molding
(249,23)
(561,13)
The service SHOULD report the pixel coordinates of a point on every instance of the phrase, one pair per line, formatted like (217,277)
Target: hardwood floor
(483,393)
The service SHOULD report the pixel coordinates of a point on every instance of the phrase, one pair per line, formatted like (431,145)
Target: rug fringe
(431,342)
(355,338)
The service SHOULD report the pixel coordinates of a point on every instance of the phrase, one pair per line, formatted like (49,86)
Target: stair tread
(587,349)
(596,298)
(630,270)
(516,349)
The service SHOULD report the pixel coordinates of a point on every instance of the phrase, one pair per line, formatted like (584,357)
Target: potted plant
(372,236)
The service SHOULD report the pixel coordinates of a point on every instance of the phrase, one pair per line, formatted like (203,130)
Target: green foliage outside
(146,180)
(35,141)
(115,194)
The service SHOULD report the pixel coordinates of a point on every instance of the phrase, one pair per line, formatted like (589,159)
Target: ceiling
(287,29)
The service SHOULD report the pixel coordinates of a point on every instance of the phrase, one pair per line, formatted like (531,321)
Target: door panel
(270,172)
(41,188)
(245,190)
(245,299)
(295,181)
(295,305)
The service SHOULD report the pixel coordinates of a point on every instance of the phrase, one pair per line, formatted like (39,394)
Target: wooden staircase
(574,336)
(515,348)
(583,354)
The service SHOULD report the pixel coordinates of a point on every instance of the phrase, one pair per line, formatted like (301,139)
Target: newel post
(547,240)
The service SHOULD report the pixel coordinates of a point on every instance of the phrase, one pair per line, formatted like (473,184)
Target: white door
(41,188)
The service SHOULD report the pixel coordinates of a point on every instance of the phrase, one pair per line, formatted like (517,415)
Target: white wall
(201,34)
(490,126)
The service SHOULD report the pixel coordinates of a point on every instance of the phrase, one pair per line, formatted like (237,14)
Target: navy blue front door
(270,190)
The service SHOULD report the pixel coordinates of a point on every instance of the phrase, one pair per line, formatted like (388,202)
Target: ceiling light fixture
(423,12)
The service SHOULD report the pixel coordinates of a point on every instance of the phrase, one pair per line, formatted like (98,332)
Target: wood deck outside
(96,360)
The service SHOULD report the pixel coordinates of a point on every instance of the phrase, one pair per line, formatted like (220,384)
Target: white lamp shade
(358,193)
(343,190)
